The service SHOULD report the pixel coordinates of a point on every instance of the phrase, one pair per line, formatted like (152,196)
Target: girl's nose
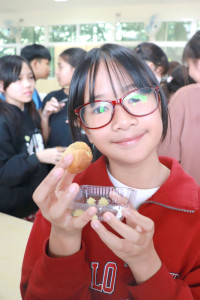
(27,82)
(57,72)
(122,119)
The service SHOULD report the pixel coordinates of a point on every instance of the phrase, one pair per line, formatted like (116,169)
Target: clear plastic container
(104,199)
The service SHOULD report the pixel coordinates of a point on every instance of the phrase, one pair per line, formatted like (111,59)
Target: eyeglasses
(139,102)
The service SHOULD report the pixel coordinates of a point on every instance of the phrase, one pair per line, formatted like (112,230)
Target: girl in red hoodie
(154,253)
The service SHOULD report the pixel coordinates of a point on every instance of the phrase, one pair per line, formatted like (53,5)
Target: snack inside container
(104,198)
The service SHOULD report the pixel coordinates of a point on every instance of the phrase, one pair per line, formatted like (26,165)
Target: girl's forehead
(62,60)
(108,78)
(25,68)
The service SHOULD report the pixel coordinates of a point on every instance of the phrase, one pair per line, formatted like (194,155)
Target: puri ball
(82,157)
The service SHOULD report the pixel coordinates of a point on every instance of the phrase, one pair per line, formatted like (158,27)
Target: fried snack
(77,212)
(82,157)
(103,201)
(91,201)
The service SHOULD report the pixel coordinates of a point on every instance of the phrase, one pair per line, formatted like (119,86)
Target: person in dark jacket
(23,159)
(55,104)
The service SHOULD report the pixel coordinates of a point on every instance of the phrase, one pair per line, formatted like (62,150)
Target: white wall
(138,12)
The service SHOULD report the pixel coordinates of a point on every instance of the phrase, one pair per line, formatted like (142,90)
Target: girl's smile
(129,140)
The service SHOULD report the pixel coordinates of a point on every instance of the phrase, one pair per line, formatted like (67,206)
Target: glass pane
(30,35)
(174,31)
(198,25)
(174,53)
(7,51)
(100,32)
(131,32)
(62,33)
(7,35)
(52,63)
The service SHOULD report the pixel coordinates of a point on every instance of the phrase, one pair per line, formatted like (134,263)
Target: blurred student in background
(175,79)
(182,141)
(155,57)
(23,159)
(55,125)
(39,58)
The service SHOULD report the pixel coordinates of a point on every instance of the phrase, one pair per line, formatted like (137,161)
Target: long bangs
(10,69)
(126,67)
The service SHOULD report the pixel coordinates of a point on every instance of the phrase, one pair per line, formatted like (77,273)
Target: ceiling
(45,12)
(21,6)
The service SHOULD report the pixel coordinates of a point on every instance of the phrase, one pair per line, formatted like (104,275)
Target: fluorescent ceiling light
(60,0)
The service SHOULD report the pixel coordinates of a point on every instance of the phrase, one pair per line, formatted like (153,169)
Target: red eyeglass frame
(118,101)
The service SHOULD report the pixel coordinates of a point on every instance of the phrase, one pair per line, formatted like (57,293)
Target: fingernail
(91,212)
(57,173)
(107,217)
(126,212)
(138,228)
(72,189)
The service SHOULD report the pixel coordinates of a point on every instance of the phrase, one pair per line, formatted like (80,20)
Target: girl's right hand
(50,155)
(54,196)
(51,107)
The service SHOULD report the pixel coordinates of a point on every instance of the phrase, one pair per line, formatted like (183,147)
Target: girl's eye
(135,98)
(100,109)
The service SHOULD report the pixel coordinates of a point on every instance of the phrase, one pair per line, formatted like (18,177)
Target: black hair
(192,48)
(35,51)
(178,78)
(73,55)
(152,52)
(10,69)
(124,63)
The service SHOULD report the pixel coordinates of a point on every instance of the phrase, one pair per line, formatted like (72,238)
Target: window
(7,35)
(171,36)
(7,51)
(131,32)
(100,32)
(30,35)
(174,31)
(62,33)
(52,64)
(174,53)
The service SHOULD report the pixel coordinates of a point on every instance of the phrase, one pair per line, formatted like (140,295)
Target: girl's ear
(34,64)
(159,71)
(151,65)
(1,87)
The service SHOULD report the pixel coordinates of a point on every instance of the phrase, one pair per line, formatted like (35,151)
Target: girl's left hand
(135,246)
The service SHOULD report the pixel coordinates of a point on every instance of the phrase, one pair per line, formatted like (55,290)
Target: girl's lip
(28,93)
(129,140)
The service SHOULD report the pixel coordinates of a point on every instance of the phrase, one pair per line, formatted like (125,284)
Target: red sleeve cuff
(160,286)
(67,267)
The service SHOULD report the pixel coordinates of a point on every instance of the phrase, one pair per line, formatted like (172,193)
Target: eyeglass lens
(138,103)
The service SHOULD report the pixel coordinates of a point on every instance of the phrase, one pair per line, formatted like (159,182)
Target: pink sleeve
(171,146)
